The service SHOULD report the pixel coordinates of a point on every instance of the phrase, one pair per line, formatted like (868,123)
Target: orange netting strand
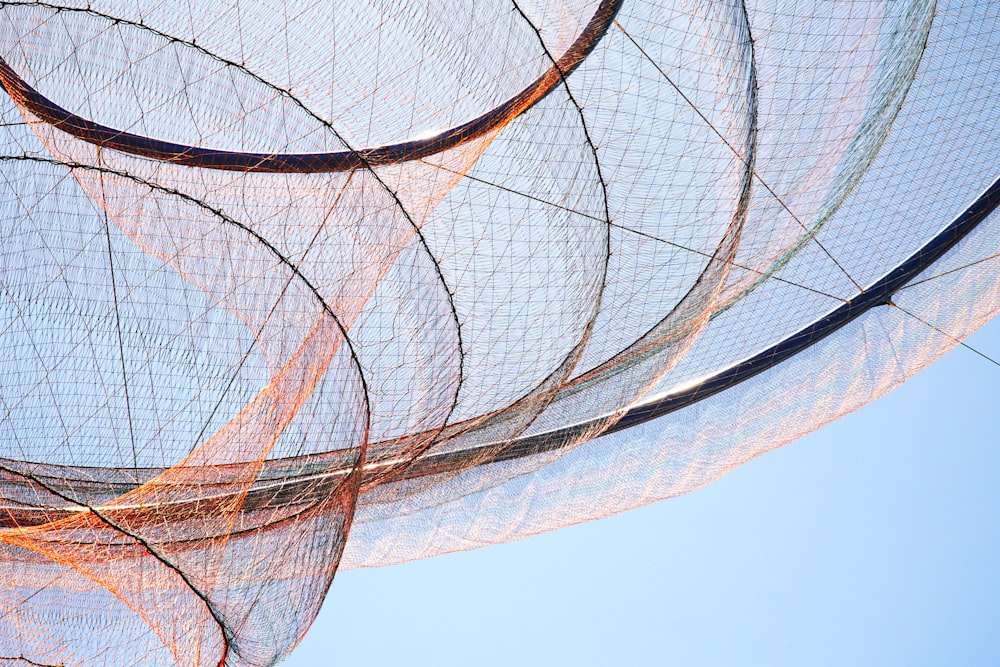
(235,334)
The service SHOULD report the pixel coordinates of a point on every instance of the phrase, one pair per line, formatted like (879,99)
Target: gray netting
(293,286)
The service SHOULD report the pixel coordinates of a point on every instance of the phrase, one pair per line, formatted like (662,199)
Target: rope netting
(293,286)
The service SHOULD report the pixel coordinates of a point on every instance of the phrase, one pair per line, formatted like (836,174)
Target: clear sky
(874,541)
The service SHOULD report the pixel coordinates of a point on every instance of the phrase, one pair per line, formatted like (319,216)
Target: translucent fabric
(289,287)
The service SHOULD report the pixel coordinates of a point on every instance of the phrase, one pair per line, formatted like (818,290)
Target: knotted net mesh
(288,287)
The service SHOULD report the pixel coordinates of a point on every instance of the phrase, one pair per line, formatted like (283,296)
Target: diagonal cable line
(735,152)
(947,335)
(638,232)
(118,324)
(949,271)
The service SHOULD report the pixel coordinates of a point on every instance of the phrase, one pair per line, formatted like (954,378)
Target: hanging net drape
(293,286)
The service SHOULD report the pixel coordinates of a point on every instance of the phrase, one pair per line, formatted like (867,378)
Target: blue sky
(873,541)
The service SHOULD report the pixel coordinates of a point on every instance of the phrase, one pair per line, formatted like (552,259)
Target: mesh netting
(288,287)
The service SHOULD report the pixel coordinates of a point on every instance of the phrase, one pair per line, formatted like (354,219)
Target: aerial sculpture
(293,286)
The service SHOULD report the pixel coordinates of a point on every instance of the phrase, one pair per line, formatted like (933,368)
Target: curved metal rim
(311,163)
(274,487)
(879,294)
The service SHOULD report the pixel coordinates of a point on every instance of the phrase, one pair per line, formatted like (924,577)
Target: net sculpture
(293,286)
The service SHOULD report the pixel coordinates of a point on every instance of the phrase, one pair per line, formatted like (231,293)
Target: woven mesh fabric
(288,287)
